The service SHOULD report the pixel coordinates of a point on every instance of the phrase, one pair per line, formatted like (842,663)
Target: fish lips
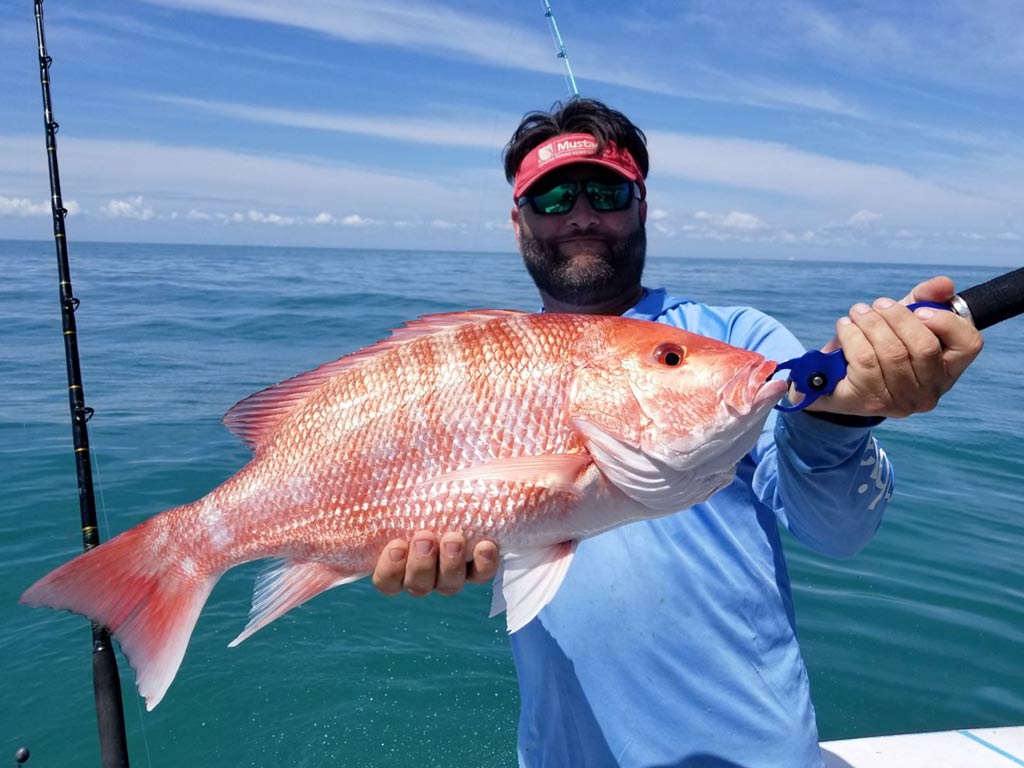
(752,389)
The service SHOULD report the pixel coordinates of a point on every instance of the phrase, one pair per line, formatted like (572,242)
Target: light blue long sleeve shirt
(672,642)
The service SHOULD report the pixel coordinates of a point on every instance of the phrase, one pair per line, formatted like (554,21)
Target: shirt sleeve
(828,484)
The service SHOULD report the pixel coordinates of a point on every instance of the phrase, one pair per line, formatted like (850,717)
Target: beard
(584,274)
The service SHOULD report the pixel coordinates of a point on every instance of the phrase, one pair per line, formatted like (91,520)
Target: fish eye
(670,354)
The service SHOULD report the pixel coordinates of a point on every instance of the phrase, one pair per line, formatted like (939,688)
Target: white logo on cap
(576,146)
(545,153)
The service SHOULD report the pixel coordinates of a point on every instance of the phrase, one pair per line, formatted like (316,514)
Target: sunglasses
(604,197)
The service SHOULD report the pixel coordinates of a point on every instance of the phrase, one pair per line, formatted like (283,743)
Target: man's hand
(900,362)
(424,565)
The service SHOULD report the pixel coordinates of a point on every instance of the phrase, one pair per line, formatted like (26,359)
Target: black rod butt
(999,299)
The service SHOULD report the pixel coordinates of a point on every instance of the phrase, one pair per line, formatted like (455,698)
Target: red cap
(572,148)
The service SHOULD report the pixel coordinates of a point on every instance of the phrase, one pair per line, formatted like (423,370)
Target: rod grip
(999,299)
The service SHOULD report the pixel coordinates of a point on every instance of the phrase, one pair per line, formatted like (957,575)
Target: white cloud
(131,208)
(324,218)
(355,220)
(862,218)
(259,217)
(731,220)
(1008,236)
(22,207)
(740,220)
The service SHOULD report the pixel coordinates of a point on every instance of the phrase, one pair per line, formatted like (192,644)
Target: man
(672,641)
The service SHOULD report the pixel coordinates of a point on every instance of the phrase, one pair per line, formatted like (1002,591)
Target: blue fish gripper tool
(815,374)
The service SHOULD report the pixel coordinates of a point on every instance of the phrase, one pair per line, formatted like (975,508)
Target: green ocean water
(924,630)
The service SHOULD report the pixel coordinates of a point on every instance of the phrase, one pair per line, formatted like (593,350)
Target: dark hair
(575,116)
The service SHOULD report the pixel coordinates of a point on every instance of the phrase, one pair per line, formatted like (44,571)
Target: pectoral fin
(528,581)
(557,472)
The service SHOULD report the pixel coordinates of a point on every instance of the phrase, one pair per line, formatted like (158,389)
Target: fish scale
(533,431)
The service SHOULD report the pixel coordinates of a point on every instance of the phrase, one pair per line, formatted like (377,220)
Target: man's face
(583,257)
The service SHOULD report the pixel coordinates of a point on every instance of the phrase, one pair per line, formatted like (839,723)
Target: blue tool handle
(816,374)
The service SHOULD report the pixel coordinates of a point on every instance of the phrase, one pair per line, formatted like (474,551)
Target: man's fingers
(451,564)
(389,574)
(421,568)
(426,564)
(961,341)
(924,353)
(485,562)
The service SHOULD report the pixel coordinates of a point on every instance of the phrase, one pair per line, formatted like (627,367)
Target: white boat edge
(965,748)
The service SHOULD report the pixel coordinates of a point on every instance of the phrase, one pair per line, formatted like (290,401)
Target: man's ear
(515,222)
(643,211)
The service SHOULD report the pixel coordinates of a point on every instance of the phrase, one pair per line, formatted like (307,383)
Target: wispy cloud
(745,228)
(777,168)
(422,26)
(947,41)
(132,184)
(732,220)
(172,174)
(489,132)
(114,28)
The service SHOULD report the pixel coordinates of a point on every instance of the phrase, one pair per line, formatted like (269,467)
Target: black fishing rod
(106,682)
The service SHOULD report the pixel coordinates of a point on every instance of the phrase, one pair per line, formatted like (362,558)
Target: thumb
(938,289)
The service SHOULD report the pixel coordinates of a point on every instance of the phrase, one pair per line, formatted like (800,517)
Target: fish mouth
(752,388)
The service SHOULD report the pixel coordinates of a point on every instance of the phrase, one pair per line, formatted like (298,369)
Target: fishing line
(98,473)
(142,727)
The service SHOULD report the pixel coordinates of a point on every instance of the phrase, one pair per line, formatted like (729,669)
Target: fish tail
(148,602)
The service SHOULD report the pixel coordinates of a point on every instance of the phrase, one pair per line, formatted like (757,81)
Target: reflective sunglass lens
(559,199)
(609,197)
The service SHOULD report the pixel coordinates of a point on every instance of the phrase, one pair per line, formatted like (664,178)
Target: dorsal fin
(253,418)
(443,321)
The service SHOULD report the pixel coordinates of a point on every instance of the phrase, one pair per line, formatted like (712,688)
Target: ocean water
(924,630)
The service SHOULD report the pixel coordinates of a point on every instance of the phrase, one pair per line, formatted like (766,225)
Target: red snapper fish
(532,430)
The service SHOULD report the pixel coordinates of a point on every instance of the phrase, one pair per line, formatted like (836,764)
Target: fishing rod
(105,679)
(560,47)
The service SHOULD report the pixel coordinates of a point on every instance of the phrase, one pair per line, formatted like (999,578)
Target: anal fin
(289,584)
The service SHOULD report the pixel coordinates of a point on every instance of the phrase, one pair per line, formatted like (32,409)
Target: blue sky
(791,129)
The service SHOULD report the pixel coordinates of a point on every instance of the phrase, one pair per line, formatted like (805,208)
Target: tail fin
(149,604)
